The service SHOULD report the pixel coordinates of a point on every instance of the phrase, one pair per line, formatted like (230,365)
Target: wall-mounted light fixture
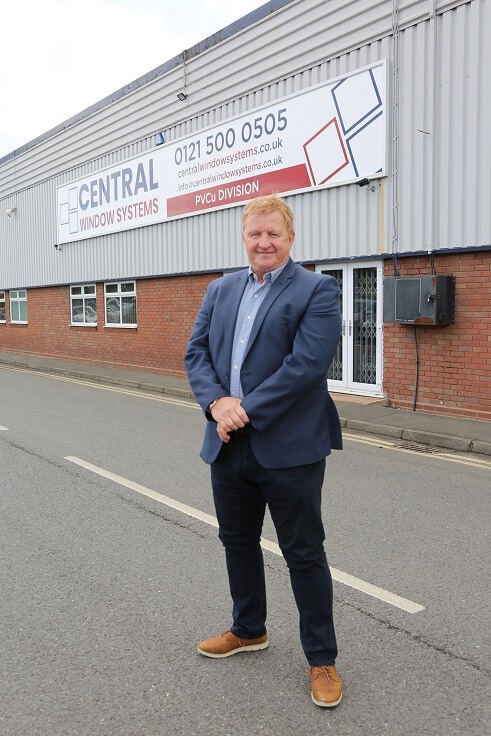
(57,246)
(10,211)
(182,96)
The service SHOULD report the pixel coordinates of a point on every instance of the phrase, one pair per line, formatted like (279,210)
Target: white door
(357,366)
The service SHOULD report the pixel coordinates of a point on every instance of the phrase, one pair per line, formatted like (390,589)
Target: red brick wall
(454,361)
(166,310)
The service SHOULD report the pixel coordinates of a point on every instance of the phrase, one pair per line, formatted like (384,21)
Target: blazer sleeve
(202,376)
(304,368)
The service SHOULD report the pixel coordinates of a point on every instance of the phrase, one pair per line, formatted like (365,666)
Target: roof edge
(247,20)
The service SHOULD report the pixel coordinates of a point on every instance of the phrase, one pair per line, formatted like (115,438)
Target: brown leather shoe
(226,644)
(327,689)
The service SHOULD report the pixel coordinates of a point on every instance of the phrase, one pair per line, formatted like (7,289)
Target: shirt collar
(269,277)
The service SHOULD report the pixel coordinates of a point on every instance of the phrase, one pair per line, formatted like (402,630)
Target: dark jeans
(241,490)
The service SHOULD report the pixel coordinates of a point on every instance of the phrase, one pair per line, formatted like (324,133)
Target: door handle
(349,327)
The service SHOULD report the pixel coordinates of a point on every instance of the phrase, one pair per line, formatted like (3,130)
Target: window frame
(83,297)
(116,292)
(17,300)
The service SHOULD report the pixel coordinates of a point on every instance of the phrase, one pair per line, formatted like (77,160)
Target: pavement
(358,413)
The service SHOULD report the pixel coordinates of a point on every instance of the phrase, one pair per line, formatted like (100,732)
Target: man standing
(257,361)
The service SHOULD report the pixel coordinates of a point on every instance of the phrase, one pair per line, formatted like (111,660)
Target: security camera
(366,182)
(10,210)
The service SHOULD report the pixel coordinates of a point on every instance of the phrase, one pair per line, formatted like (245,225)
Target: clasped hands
(229,415)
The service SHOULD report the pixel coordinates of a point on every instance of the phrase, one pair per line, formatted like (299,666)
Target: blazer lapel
(283,280)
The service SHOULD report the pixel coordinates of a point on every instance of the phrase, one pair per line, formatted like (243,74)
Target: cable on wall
(395,133)
(432,263)
(416,379)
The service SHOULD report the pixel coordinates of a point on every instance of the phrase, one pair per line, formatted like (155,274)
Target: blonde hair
(271,203)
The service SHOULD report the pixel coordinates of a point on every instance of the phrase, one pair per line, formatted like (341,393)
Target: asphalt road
(106,590)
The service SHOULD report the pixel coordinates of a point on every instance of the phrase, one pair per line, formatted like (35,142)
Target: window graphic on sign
(326,153)
(353,135)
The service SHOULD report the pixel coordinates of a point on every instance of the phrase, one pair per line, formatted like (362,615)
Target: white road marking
(189,510)
(3,428)
(338,575)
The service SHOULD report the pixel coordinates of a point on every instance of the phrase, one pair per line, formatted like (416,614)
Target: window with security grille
(18,306)
(83,305)
(2,306)
(120,304)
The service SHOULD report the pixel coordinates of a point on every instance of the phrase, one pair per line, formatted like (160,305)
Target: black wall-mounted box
(420,300)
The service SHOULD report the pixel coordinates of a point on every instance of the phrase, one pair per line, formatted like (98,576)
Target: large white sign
(322,137)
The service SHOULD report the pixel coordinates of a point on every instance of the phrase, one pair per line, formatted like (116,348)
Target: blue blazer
(292,343)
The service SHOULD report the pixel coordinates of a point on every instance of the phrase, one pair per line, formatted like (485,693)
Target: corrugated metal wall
(444,114)
(445,118)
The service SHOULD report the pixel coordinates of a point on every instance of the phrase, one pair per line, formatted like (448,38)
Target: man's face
(267,242)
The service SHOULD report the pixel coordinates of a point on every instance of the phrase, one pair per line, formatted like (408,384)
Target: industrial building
(371,119)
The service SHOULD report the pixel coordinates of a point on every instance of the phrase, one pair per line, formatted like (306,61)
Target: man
(257,361)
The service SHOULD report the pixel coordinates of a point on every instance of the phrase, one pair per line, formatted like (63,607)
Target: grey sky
(58,57)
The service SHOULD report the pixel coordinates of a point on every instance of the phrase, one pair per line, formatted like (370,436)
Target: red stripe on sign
(283,180)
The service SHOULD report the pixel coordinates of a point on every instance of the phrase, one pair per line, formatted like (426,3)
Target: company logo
(69,211)
(92,203)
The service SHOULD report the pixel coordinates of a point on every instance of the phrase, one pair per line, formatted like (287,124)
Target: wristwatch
(210,406)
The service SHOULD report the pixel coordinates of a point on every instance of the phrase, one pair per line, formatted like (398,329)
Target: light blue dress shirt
(253,296)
